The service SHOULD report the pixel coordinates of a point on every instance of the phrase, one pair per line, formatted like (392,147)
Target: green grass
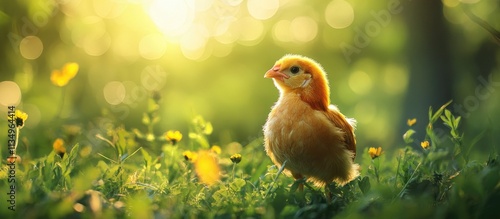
(128,172)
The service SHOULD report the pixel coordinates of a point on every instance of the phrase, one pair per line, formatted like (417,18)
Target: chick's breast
(310,143)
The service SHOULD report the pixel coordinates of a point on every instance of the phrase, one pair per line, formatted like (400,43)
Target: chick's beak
(275,73)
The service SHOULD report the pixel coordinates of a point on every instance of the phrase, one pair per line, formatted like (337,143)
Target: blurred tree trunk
(429,62)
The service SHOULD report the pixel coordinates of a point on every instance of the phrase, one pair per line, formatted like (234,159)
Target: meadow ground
(182,175)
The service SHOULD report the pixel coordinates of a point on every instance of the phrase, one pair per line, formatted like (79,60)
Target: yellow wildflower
(59,147)
(207,169)
(425,144)
(235,158)
(20,118)
(411,122)
(216,149)
(173,136)
(13,159)
(375,152)
(61,77)
(189,156)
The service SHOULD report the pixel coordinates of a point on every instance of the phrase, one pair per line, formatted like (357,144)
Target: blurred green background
(387,61)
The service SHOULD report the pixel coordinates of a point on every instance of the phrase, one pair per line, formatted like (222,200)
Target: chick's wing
(347,125)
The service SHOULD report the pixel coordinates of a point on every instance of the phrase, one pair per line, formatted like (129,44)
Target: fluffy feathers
(303,128)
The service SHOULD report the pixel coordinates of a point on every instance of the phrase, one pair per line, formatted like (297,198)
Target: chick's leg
(299,179)
(328,194)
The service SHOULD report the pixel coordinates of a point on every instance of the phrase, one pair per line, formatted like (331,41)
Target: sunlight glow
(152,46)
(172,17)
(109,8)
(262,9)
(193,43)
(192,24)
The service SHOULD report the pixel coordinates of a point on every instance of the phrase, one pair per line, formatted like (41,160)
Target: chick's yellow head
(303,75)
(295,72)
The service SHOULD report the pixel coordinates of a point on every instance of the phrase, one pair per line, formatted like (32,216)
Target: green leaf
(237,184)
(125,157)
(447,113)
(193,135)
(437,155)
(122,141)
(152,106)
(407,136)
(364,185)
(438,113)
(147,157)
(156,119)
(457,121)
(74,151)
(145,119)
(430,113)
(202,141)
(208,129)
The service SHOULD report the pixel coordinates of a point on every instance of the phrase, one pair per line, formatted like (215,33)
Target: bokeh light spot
(233,2)
(90,34)
(304,29)
(114,92)
(31,47)
(195,39)
(10,93)
(252,30)
(133,93)
(469,1)
(193,43)
(451,3)
(228,36)
(339,14)
(203,5)
(281,31)
(152,46)
(455,15)
(109,8)
(360,82)
(262,9)
(395,79)
(90,26)
(95,45)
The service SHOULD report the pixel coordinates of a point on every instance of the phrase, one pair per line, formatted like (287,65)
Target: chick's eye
(294,69)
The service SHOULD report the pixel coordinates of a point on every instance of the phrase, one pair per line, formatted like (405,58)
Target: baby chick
(313,137)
